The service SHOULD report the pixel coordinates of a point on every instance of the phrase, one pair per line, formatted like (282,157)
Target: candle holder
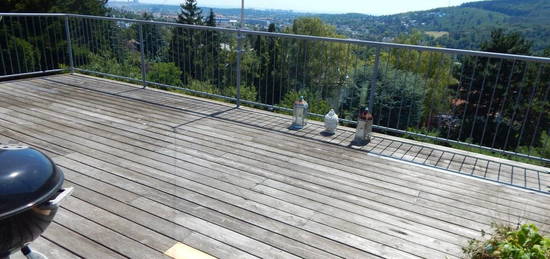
(300,114)
(331,122)
(364,127)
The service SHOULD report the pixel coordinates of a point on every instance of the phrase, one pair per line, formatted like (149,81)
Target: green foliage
(316,103)
(195,52)
(23,55)
(109,64)
(423,131)
(164,73)
(494,108)
(436,69)
(465,26)
(399,96)
(523,242)
(190,13)
(247,92)
(91,7)
(311,58)
(541,149)
(211,19)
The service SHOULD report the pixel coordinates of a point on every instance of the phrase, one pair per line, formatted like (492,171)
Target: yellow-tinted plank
(182,251)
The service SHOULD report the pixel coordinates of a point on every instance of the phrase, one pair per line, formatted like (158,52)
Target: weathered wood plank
(219,157)
(47,248)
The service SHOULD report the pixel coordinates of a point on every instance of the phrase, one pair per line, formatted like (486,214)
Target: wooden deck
(152,169)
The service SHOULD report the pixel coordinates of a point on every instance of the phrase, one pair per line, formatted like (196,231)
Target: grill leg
(26,250)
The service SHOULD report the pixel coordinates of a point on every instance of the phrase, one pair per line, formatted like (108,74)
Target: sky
(376,7)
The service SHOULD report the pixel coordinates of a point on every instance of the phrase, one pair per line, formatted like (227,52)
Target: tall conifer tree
(184,41)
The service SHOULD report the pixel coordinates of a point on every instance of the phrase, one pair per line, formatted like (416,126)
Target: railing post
(142,50)
(374,78)
(239,57)
(69,44)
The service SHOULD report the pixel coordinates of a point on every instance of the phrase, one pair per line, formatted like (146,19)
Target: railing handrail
(538,59)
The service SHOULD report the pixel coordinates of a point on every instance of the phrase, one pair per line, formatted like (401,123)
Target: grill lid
(27,178)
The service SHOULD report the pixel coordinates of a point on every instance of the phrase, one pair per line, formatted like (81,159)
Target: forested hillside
(465,26)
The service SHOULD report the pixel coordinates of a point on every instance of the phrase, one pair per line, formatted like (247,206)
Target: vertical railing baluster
(2,61)
(142,53)
(373,80)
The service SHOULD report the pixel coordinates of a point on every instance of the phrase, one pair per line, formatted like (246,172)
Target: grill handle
(62,194)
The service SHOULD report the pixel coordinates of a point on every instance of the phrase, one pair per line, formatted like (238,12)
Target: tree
(164,73)
(436,70)
(211,19)
(502,100)
(39,50)
(308,59)
(190,13)
(152,38)
(212,50)
(399,96)
(90,7)
(184,43)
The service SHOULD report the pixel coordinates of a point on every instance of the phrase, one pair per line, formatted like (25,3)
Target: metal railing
(489,101)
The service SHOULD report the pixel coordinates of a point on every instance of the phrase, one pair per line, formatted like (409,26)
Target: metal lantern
(300,114)
(364,127)
(331,122)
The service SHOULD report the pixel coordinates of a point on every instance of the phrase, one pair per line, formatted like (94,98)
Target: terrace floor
(153,169)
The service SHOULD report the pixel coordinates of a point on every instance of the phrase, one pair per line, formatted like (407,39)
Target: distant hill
(464,26)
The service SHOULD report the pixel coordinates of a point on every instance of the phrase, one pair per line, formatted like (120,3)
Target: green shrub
(164,73)
(523,242)
(316,103)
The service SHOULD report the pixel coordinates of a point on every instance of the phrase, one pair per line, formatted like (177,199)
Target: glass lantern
(300,114)
(364,127)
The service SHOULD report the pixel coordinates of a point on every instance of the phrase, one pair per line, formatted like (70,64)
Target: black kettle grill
(30,193)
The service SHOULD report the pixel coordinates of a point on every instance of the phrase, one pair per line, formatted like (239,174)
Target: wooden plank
(275,154)
(200,101)
(123,226)
(87,188)
(105,236)
(47,248)
(249,230)
(78,243)
(283,218)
